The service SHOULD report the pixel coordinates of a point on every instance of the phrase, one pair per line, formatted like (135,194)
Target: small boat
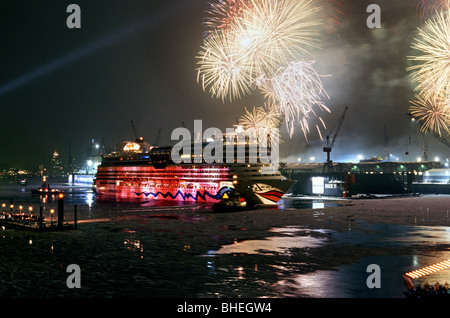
(23,182)
(233,203)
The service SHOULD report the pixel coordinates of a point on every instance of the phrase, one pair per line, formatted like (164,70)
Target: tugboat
(233,202)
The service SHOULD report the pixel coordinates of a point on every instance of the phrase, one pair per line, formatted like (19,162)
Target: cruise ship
(142,172)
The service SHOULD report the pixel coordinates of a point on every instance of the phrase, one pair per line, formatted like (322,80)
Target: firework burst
(224,68)
(262,121)
(274,32)
(258,40)
(252,44)
(433,113)
(432,73)
(298,90)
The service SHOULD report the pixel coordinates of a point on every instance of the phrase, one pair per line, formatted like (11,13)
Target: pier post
(40,217)
(75,212)
(60,211)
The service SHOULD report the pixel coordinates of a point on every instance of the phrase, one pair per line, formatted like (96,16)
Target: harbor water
(157,249)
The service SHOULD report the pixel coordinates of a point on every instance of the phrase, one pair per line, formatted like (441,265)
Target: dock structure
(38,223)
(27,222)
(31,222)
(374,176)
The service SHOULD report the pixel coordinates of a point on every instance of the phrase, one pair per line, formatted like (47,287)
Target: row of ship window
(206,186)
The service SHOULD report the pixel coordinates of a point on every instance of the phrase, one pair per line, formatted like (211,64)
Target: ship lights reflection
(89,199)
(134,245)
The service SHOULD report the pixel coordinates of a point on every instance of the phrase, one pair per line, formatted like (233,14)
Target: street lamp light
(52,211)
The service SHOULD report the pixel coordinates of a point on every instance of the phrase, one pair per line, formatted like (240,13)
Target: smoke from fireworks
(253,44)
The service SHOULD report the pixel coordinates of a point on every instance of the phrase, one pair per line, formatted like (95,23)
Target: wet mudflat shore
(190,252)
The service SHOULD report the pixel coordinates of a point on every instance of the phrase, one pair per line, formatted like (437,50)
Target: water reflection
(291,259)
(389,235)
(292,237)
(133,245)
(299,203)
(350,281)
(344,281)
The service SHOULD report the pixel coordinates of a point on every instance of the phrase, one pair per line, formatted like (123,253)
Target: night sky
(135,60)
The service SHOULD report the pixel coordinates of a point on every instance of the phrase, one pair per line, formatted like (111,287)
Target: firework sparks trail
(262,120)
(222,15)
(333,14)
(274,32)
(429,7)
(298,90)
(224,68)
(432,73)
(433,113)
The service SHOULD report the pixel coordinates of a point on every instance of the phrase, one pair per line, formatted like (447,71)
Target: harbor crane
(136,136)
(158,138)
(329,143)
(438,137)
(133,127)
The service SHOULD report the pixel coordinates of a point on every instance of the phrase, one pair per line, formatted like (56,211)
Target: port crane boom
(329,143)
(440,138)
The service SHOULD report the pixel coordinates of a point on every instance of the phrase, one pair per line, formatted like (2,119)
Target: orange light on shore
(429,269)
(61,195)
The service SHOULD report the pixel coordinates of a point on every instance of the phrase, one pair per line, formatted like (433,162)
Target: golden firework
(433,113)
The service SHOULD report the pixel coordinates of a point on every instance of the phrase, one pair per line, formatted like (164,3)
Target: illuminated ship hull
(153,177)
